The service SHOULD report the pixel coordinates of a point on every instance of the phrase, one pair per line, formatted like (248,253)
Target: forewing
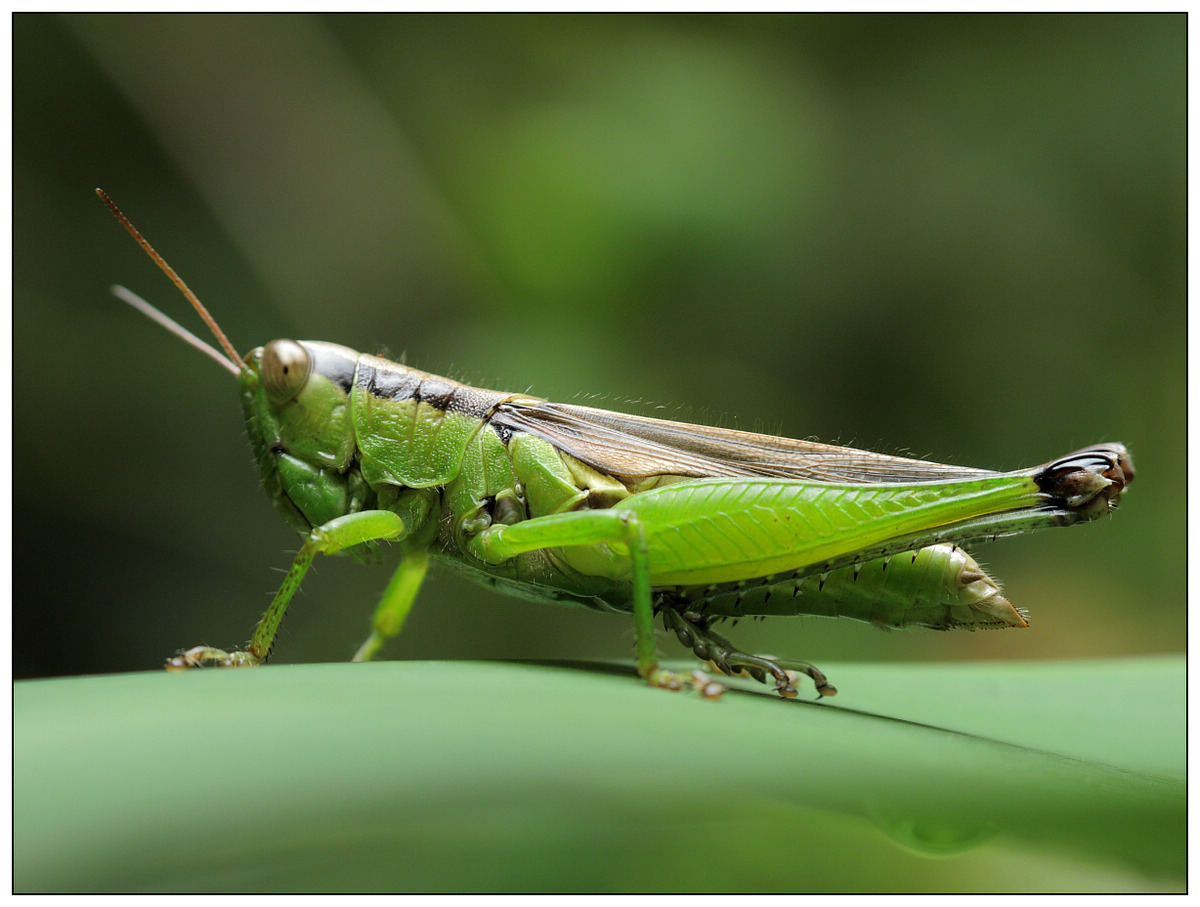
(636,447)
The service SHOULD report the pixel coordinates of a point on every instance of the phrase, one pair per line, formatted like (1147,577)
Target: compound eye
(285,368)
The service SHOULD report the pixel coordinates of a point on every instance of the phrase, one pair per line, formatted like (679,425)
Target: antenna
(166,322)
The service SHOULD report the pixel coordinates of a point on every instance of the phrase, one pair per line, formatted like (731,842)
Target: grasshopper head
(296,400)
(296,397)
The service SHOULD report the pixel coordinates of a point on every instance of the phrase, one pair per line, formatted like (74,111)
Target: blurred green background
(960,237)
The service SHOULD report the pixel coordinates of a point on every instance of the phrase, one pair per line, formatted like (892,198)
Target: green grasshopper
(620,513)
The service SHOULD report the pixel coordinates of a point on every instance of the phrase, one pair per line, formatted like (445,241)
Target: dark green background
(958,237)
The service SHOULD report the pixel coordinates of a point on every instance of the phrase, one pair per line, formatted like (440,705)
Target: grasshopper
(620,513)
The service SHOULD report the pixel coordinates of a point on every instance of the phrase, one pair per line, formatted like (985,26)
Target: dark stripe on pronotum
(388,384)
(436,392)
(398,384)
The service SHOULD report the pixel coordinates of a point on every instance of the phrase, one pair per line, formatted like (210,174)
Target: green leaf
(471,776)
